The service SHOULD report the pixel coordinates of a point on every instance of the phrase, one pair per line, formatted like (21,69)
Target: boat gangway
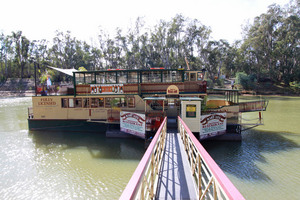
(176,166)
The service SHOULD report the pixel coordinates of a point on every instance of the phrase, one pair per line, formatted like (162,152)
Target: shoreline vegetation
(265,61)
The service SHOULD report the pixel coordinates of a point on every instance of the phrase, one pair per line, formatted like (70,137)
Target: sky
(39,19)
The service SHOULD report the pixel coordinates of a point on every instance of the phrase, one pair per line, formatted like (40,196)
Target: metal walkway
(176,166)
(175,177)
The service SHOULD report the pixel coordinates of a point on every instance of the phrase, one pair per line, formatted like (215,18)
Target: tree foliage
(269,49)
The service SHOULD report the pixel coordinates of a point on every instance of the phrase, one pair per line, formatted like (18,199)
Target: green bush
(248,82)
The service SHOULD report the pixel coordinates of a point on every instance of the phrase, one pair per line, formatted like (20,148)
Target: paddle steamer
(136,102)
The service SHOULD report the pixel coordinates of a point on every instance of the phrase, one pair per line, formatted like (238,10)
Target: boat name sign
(46,102)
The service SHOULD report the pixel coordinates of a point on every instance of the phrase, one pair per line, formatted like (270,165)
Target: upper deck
(141,82)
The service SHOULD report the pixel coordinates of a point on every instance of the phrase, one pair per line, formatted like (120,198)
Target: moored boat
(134,102)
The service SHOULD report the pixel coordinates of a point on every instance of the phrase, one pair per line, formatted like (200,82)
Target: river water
(48,165)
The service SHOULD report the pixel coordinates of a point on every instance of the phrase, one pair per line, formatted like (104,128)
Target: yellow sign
(172,89)
(190,108)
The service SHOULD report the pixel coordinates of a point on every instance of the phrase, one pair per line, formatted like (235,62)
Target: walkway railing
(143,183)
(211,182)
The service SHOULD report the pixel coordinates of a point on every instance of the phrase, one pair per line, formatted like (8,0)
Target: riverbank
(19,87)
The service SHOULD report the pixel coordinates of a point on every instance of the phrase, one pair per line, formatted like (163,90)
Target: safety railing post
(152,177)
(215,183)
(199,176)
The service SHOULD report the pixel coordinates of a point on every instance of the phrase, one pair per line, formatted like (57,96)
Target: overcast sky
(39,19)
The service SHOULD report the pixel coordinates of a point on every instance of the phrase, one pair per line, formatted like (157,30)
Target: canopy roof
(65,71)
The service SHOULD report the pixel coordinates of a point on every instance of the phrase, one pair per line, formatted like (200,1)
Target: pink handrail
(136,178)
(223,180)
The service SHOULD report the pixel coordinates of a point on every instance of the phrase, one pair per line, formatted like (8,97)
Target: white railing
(211,181)
(143,183)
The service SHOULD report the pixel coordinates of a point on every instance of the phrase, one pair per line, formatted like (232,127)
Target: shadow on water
(98,145)
(240,158)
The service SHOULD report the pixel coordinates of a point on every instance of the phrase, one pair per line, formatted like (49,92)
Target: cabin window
(94,102)
(200,76)
(155,76)
(85,102)
(122,77)
(64,103)
(110,77)
(131,102)
(191,111)
(71,103)
(133,77)
(108,101)
(193,77)
(101,102)
(176,76)
(120,102)
(100,78)
(167,78)
(88,78)
(79,78)
(145,77)
(186,76)
(78,103)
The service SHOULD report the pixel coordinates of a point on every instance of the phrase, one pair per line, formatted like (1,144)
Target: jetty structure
(135,102)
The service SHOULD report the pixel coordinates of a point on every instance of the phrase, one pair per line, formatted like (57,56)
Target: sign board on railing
(133,123)
(212,125)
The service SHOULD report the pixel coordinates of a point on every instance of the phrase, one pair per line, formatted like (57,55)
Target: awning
(65,71)
(154,98)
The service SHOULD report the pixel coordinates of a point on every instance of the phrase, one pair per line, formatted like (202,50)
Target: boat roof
(155,98)
(65,71)
(190,99)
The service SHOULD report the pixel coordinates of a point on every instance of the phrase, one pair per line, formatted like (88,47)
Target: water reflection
(98,145)
(240,158)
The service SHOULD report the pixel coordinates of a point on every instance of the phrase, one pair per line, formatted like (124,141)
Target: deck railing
(143,183)
(211,181)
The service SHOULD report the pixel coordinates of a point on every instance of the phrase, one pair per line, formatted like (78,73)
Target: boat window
(85,102)
(100,77)
(133,77)
(94,102)
(79,78)
(176,76)
(190,111)
(71,103)
(193,77)
(122,77)
(64,103)
(110,77)
(200,76)
(131,102)
(78,103)
(172,76)
(88,78)
(145,77)
(155,76)
(108,101)
(101,102)
(186,76)
(167,77)
(121,102)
